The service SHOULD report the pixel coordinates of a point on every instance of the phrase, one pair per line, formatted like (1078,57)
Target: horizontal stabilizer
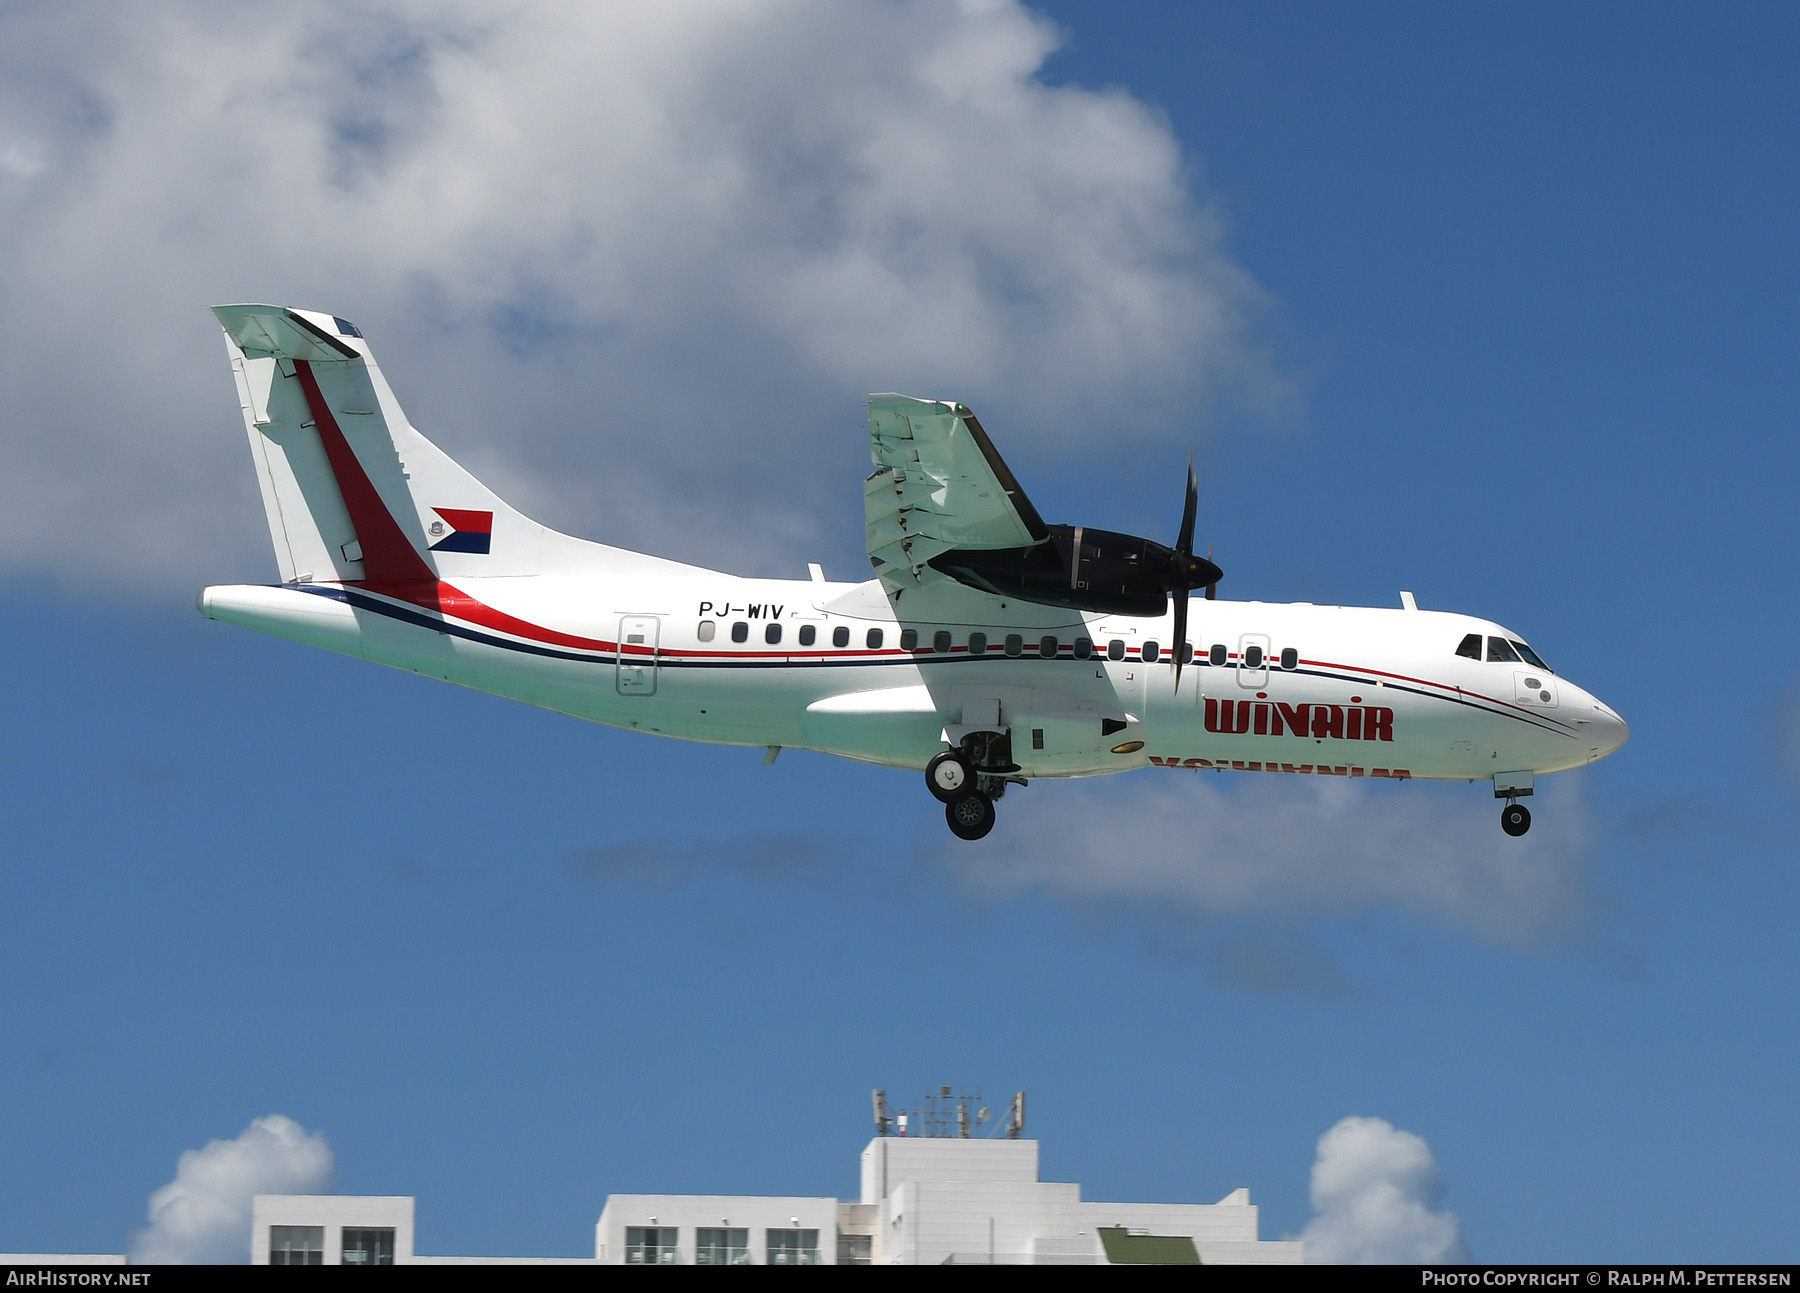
(265,331)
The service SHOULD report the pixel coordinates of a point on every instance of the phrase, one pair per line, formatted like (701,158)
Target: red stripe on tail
(388,555)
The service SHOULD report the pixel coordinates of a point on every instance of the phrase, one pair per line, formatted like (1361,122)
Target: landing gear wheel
(1515,819)
(971,816)
(949,777)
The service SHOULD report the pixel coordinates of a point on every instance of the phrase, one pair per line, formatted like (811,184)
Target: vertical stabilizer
(352,491)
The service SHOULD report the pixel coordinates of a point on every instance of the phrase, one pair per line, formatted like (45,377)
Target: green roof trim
(1126,1249)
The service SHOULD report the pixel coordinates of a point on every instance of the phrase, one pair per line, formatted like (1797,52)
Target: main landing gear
(1515,818)
(969,780)
(971,816)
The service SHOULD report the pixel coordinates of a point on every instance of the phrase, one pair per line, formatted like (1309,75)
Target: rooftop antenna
(881,1113)
(1015,1116)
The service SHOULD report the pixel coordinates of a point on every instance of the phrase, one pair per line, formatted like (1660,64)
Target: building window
(793,1247)
(874,639)
(650,1245)
(740,632)
(720,1246)
(840,636)
(977,644)
(772,634)
(296,1245)
(369,1247)
(707,629)
(855,1250)
(808,635)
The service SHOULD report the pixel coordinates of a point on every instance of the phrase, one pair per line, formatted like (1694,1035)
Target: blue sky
(1509,300)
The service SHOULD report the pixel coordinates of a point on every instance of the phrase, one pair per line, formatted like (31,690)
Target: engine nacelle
(1086,570)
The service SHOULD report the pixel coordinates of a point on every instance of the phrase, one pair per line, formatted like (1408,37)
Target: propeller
(1188,572)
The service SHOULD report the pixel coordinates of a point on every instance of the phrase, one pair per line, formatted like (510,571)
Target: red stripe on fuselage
(392,566)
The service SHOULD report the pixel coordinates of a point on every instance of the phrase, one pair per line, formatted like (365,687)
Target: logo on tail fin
(462,530)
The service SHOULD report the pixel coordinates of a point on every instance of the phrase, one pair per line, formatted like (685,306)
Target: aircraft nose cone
(1609,730)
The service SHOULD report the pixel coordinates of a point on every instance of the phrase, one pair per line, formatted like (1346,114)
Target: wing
(938,485)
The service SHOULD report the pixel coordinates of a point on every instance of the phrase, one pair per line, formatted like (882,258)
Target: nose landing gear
(1515,818)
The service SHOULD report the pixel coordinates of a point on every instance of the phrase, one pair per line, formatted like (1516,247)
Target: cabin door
(638,656)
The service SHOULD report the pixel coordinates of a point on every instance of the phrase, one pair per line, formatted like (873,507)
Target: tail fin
(353,492)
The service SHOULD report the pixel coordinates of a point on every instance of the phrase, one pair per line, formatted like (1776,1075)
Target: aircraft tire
(1515,819)
(949,777)
(971,815)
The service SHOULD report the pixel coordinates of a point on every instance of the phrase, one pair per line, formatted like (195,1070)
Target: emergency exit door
(638,655)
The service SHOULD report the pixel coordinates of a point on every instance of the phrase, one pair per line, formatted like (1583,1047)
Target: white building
(352,1230)
(924,1201)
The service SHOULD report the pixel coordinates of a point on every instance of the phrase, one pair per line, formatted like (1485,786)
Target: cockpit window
(1470,647)
(1531,657)
(1500,651)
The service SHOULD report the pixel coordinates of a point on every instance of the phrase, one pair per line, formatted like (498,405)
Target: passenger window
(1470,647)
(1290,658)
(1047,647)
(1084,647)
(808,635)
(1151,652)
(740,632)
(874,639)
(909,639)
(1253,657)
(977,644)
(940,642)
(840,636)
(1115,650)
(707,629)
(1015,645)
(1500,652)
(772,634)
(1218,655)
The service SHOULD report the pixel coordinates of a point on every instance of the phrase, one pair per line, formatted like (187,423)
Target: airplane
(989,650)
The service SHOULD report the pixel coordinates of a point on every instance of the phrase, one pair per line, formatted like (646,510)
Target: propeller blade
(1184,542)
(1181,615)
(1212,589)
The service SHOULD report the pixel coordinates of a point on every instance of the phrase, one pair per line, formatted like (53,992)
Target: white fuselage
(1371,692)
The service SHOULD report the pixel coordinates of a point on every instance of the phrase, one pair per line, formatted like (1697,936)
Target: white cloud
(1375,1191)
(1261,844)
(651,257)
(203,1215)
